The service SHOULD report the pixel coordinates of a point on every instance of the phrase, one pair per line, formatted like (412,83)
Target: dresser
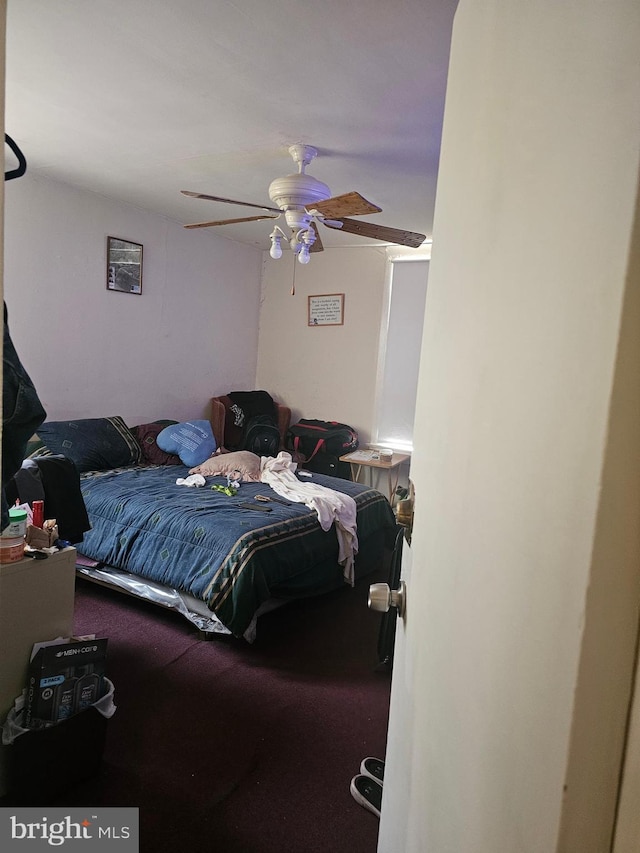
(36,604)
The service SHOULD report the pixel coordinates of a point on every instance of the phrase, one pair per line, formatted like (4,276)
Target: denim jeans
(22,414)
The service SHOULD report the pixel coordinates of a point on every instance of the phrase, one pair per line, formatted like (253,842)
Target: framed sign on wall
(124,265)
(326,310)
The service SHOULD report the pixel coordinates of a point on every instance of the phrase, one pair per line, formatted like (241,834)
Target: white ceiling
(139,99)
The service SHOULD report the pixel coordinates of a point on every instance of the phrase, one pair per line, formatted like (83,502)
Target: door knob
(381,597)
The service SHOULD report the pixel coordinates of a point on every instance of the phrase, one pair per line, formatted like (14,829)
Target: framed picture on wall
(124,265)
(326,309)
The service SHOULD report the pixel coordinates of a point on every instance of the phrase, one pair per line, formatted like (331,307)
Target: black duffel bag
(309,437)
(317,445)
(328,463)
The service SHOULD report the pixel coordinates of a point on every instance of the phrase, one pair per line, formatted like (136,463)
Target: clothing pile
(279,473)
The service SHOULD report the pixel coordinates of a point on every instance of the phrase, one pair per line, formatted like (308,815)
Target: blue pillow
(192,441)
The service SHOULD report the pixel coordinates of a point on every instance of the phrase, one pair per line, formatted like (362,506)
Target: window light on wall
(400,346)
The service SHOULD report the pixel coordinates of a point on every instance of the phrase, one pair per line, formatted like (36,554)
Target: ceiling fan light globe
(276,249)
(303,255)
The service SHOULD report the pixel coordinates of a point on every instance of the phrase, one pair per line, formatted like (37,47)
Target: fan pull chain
(293,282)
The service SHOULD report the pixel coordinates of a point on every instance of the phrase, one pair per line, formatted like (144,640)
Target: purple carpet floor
(238,748)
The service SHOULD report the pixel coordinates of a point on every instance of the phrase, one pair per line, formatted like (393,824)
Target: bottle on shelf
(38,513)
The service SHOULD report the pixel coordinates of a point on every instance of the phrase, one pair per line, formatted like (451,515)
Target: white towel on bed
(279,473)
(195,481)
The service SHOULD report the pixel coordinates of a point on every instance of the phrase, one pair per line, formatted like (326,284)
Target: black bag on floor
(327,463)
(309,437)
(316,445)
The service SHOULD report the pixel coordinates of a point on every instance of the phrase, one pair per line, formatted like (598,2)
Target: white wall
(190,335)
(205,323)
(523,603)
(326,372)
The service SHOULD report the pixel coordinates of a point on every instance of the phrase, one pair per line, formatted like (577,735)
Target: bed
(196,549)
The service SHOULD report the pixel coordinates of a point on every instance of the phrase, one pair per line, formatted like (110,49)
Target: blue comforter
(200,541)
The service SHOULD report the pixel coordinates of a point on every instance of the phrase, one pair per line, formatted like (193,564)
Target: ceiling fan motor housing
(297,191)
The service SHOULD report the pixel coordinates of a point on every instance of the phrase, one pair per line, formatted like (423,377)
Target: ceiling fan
(305,202)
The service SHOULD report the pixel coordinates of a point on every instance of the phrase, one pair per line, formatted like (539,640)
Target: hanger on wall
(22,163)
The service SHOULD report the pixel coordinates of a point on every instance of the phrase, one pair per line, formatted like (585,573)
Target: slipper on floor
(367,792)
(374,768)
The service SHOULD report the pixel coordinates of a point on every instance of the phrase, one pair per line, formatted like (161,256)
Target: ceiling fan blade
(349,204)
(316,246)
(229,201)
(381,232)
(229,221)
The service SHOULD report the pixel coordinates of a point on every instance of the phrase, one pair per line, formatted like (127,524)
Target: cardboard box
(38,537)
(65,677)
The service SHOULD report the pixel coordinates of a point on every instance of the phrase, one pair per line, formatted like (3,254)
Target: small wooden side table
(392,468)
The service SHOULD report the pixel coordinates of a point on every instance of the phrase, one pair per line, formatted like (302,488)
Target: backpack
(309,437)
(261,436)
